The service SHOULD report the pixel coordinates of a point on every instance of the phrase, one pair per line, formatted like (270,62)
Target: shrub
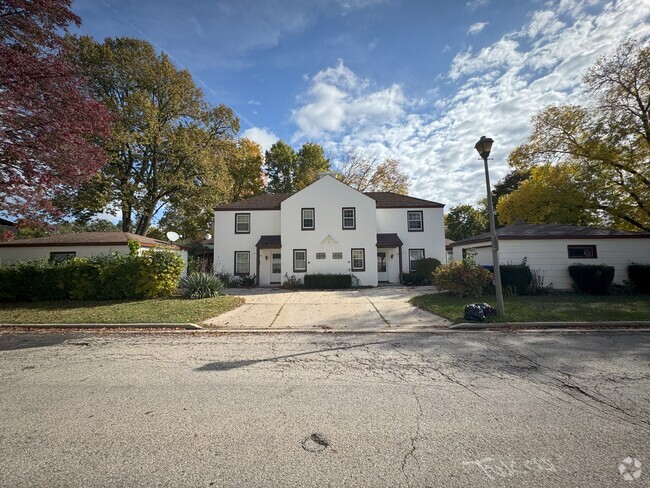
(462,278)
(592,278)
(414,279)
(328,281)
(246,281)
(424,269)
(201,285)
(517,277)
(291,282)
(151,274)
(639,274)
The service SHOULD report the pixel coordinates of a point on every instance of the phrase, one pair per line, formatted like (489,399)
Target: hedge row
(327,281)
(516,277)
(152,274)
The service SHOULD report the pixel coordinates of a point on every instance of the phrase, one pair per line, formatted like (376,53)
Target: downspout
(400,264)
(257,275)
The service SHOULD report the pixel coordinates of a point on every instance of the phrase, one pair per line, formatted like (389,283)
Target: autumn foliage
(49,123)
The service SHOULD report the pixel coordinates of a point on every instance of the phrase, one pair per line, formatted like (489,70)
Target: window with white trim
(320,255)
(337,255)
(242,263)
(358,259)
(415,255)
(349,218)
(242,223)
(299,260)
(415,220)
(308,220)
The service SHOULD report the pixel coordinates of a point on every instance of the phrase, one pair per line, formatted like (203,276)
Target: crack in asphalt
(414,438)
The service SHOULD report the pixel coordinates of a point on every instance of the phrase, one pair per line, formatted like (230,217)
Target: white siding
(13,254)
(327,197)
(226,242)
(432,240)
(551,256)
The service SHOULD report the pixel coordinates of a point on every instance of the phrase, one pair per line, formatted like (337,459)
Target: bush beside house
(639,275)
(152,274)
(328,281)
(592,278)
(462,278)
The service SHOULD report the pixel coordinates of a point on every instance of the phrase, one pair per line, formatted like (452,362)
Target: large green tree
(603,149)
(288,171)
(464,221)
(168,144)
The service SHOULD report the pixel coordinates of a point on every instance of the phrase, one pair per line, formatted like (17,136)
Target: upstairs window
(320,255)
(242,223)
(308,221)
(337,255)
(415,221)
(582,252)
(349,218)
(358,259)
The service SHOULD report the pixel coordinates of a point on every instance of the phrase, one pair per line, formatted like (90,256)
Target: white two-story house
(327,227)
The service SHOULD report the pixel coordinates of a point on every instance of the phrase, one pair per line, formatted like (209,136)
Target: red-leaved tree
(49,122)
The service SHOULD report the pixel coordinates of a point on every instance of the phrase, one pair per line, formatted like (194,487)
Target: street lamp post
(484,146)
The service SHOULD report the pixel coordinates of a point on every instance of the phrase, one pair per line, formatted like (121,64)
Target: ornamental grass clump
(201,285)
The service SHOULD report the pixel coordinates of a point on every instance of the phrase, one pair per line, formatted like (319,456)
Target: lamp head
(484,146)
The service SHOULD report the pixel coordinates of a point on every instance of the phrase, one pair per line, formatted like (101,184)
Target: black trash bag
(478,312)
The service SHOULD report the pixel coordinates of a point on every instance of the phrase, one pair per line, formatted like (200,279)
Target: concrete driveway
(371,309)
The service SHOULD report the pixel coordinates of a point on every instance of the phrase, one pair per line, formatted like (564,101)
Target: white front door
(382,268)
(276,268)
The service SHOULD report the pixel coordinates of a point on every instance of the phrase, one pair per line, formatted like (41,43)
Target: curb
(187,326)
(552,325)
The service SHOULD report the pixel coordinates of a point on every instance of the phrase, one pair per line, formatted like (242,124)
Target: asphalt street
(463,409)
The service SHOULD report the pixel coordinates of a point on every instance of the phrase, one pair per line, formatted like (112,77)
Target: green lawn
(555,307)
(172,310)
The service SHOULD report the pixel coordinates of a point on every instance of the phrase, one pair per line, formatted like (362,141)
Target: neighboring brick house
(327,227)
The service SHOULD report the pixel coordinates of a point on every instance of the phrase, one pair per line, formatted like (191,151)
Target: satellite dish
(208,236)
(172,236)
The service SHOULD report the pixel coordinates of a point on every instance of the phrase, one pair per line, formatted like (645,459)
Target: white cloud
(474,4)
(476,28)
(338,99)
(498,88)
(264,137)
(252,101)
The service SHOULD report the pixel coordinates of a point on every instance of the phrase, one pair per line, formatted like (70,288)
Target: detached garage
(80,245)
(553,248)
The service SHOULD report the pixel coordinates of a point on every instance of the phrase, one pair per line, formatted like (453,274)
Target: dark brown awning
(269,242)
(388,240)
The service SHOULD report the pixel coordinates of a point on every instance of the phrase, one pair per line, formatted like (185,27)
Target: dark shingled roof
(268,201)
(86,239)
(388,240)
(387,199)
(6,222)
(384,199)
(552,231)
(269,242)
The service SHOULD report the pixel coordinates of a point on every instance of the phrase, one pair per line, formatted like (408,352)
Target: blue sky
(418,80)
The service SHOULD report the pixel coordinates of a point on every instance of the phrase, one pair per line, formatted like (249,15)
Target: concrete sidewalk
(381,308)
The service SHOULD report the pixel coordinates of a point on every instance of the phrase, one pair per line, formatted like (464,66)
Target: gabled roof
(6,222)
(272,201)
(551,231)
(87,239)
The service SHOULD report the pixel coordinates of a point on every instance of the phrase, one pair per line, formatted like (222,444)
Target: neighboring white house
(552,248)
(60,247)
(327,227)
